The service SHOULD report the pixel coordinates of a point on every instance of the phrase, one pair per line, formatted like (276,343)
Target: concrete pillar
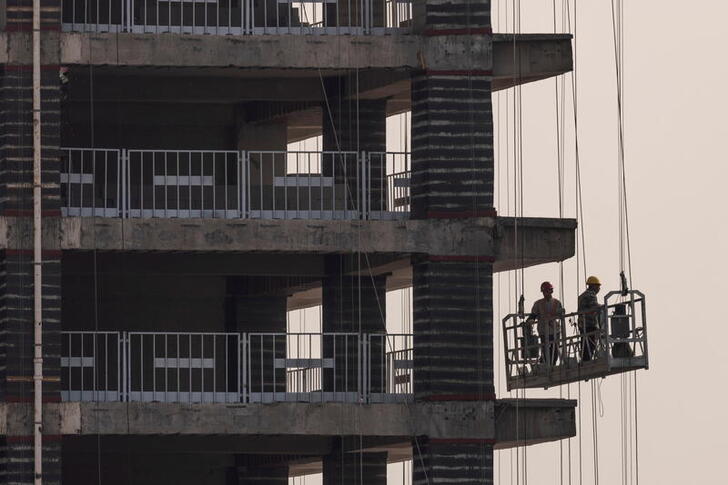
(353,305)
(254,136)
(16,264)
(251,309)
(452,177)
(356,125)
(355,468)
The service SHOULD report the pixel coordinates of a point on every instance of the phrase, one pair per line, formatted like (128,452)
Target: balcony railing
(234,184)
(232,367)
(238,17)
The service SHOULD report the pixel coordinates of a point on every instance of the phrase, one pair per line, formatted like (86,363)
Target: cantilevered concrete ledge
(533,421)
(524,58)
(529,241)
(539,420)
(538,55)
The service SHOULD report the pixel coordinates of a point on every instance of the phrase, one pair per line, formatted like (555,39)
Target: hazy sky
(676,134)
(675,105)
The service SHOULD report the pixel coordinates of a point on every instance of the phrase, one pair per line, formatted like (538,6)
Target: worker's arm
(588,303)
(534,315)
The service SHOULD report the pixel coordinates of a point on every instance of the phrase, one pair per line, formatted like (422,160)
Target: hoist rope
(618,38)
(629,399)
(559,101)
(574,101)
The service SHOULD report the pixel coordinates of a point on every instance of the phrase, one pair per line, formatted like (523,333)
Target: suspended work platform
(587,346)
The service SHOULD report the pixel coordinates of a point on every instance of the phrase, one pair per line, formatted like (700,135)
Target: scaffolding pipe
(37,258)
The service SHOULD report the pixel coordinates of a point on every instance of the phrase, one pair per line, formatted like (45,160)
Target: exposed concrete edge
(447,420)
(544,239)
(332,51)
(538,403)
(534,421)
(531,241)
(276,51)
(459,237)
(538,222)
(509,37)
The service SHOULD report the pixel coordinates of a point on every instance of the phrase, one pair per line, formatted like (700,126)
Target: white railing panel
(387,186)
(303,185)
(91,182)
(94,15)
(389,367)
(232,367)
(184,184)
(184,367)
(238,17)
(91,366)
(304,367)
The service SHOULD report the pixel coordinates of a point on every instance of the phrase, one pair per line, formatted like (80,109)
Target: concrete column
(355,468)
(252,310)
(255,136)
(356,125)
(16,264)
(452,177)
(354,305)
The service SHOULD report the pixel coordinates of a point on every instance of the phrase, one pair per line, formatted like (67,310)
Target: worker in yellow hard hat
(589,318)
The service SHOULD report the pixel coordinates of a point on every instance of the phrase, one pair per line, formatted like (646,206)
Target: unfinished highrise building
(179,230)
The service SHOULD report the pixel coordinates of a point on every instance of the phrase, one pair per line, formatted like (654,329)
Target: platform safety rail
(238,17)
(232,184)
(223,367)
(609,341)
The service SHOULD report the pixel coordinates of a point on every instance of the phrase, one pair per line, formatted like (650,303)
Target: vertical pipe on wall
(37,256)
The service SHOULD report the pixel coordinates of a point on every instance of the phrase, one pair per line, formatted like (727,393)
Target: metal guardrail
(92,366)
(183,367)
(183,184)
(238,17)
(585,346)
(235,184)
(302,367)
(304,185)
(387,185)
(92,182)
(196,367)
(389,367)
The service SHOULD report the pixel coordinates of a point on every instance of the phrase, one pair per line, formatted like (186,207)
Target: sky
(675,133)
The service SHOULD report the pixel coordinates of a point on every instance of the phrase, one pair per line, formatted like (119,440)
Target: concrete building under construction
(178,230)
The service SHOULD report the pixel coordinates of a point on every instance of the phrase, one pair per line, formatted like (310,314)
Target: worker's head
(593,284)
(547,289)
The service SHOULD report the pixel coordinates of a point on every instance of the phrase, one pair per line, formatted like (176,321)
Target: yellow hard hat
(593,280)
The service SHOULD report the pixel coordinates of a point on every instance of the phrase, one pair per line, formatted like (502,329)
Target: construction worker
(589,318)
(547,311)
